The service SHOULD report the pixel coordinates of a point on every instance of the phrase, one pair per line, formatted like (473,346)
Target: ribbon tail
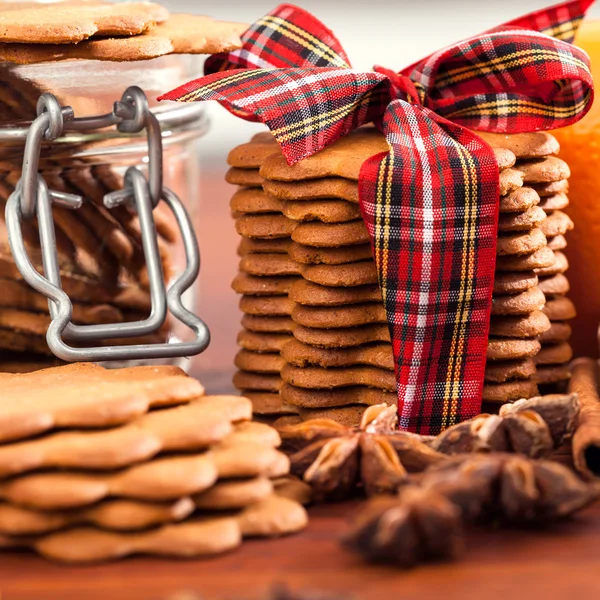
(431,208)
(305,109)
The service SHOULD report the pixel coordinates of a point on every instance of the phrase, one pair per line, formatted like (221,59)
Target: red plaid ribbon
(430,203)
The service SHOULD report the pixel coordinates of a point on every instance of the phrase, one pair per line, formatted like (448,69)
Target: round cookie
(260,246)
(243,380)
(319,378)
(557,223)
(523,145)
(342,338)
(312,294)
(268,265)
(251,285)
(234,494)
(558,332)
(258,363)
(526,326)
(309,255)
(244,177)
(511,349)
(338,397)
(557,242)
(514,283)
(504,157)
(333,317)
(519,200)
(325,211)
(263,342)
(554,202)
(350,416)
(252,154)
(268,324)
(555,284)
(509,391)
(269,403)
(268,306)
(559,265)
(549,374)
(554,354)
(326,235)
(303,355)
(518,304)
(264,226)
(553,187)
(509,181)
(503,371)
(543,258)
(522,221)
(544,170)
(349,275)
(254,201)
(314,189)
(520,243)
(560,308)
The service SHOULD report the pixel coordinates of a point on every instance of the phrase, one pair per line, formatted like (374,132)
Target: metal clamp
(33,198)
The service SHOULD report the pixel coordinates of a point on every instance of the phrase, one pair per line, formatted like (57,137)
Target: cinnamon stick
(586,439)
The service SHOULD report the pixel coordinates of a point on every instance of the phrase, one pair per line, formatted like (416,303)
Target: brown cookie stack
(101,259)
(340,359)
(546,178)
(266,274)
(144,463)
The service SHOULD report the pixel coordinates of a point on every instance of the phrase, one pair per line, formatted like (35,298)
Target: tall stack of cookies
(546,176)
(340,358)
(145,465)
(266,274)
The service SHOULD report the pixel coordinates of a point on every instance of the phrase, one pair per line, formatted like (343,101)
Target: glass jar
(102,264)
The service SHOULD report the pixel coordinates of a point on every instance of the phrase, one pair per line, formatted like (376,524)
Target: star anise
(426,519)
(532,427)
(337,460)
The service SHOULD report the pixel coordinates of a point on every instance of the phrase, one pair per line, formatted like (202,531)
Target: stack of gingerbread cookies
(145,463)
(266,274)
(340,358)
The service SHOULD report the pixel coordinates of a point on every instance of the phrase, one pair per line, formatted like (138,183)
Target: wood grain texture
(555,562)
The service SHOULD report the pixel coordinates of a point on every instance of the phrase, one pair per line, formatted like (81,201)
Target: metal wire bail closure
(33,198)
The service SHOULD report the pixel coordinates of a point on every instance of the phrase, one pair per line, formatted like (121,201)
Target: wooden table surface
(559,562)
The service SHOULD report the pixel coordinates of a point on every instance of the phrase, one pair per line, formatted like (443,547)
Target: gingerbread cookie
(557,223)
(559,308)
(526,326)
(268,265)
(343,158)
(265,226)
(258,363)
(254,201)
(333,398)
(520,243)
(558,332)
(557,242)
(244,177)
(262,342)
(560,264)
(268,306)
(541,260)
(313,189)
(554,202)
(342,338)
(261,324)
(514,283)
(260,246)
(252,285)
(555,354)
(324,235)
(503,371)
(243,380)
(309,255)
(523,145)
(269,403)
(519,304)
(509,391)
(509,181)
(347,275)
(312,294)
(331,378)
(302,355)
(523,221)
(511,349)
(555,284)
(252,154)
(325,211)
(519,200)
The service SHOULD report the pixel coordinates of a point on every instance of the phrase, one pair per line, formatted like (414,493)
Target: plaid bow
(431,203)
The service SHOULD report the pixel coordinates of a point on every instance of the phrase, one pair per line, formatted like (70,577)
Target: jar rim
(170,117)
